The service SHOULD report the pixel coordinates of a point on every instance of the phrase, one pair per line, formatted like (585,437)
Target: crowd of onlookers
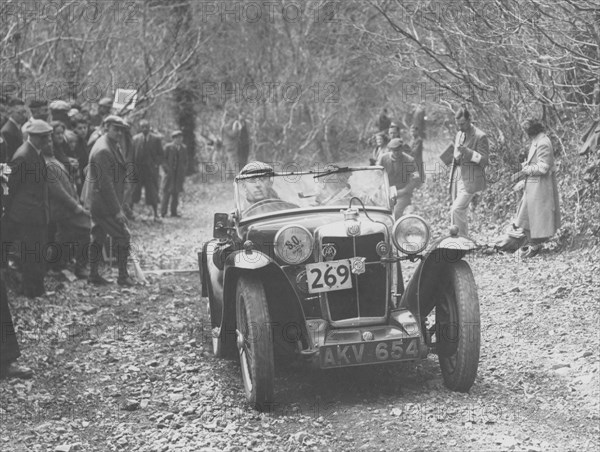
(538,215)
(70,179)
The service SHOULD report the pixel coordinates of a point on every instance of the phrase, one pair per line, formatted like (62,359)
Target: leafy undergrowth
(131,369)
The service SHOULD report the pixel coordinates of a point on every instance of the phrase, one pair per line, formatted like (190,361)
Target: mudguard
(247,260)
(419,296)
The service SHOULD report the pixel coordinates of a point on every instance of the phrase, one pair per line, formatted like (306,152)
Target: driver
(258,188)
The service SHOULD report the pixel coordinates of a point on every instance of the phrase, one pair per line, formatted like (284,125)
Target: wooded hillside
(311,76)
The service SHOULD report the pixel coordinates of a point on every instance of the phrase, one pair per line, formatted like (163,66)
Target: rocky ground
(131,369)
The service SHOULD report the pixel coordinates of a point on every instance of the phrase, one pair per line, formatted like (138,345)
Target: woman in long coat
(539,211)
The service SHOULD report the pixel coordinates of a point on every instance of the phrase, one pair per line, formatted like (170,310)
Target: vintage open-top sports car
(308,266)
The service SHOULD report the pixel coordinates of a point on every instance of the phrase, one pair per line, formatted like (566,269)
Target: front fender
(420,294)
(247,260)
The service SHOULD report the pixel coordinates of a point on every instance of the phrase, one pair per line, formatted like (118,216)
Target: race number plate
(328,276)
(342,355)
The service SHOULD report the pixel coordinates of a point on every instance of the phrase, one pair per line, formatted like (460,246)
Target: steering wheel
(264,202)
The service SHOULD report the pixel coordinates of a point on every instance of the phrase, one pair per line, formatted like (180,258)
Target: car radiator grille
(367,298)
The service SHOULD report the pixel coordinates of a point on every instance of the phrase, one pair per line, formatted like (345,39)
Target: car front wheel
(255,342)
(458,328)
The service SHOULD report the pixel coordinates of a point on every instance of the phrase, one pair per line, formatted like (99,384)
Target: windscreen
(263,194)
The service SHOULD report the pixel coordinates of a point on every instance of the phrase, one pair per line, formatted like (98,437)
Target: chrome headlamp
(410,234)
(293,244)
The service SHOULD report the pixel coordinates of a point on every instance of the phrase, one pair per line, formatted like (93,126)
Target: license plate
(328,276)
(341,355)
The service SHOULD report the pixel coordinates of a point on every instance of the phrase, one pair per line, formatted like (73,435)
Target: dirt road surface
(131,370)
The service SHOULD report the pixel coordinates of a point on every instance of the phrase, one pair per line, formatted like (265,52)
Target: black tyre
(255,342)
(458,331)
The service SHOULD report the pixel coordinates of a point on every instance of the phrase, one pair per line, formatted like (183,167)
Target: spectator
(401,171)
(231,128)
(148,152)
(59,110)
(394,131)
(25,219)
(72,222)
(80,152)
(9,345)
(11,130)
(467,178)
(60,146)
(381,142)
(416,150)
(175,167)
(383,122)
(39,110)
(104,109)
(538,216)
(106,179)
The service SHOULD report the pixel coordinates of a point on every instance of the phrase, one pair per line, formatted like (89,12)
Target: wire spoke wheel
(457,328)
(255,342)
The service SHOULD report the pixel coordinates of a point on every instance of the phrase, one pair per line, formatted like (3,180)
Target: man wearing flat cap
(175,166)
(106,179)
(59,110)
(104,109)
(149,155)
(26,214)
(39,110)
(402,173)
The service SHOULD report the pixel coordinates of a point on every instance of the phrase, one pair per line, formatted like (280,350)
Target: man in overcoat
(26,214)
(538,215)
(9,345)
(11,130)
(471,156)
(106,179)
(148,152)
(175,167)
(72,220)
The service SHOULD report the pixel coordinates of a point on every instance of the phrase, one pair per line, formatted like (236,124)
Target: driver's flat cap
(256,167)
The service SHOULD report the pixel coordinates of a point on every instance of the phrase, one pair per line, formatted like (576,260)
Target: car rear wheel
(255,342)
(458,333)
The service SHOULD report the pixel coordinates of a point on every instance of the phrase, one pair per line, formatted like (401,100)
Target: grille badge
(352,228)
(357,265)
(367,336)
(328,251)
(382,249)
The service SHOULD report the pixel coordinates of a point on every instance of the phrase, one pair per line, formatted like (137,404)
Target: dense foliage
(311,76)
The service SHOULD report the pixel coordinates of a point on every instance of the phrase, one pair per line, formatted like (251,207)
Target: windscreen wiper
(334,170)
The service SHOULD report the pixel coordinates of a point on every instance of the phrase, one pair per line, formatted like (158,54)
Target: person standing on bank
(402,174)
(175,167)
(538,216)
(467,178)
(9,345)
(148,152)
(106,179)
(26,214)
(11,130)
